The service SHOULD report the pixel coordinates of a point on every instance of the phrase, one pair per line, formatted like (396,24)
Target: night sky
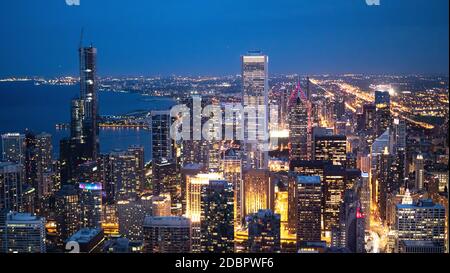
(206,37)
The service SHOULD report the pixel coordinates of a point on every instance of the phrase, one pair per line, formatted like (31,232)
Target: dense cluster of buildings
(338,180)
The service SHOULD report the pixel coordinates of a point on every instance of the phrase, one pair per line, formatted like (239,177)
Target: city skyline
(258,162)
(203,38)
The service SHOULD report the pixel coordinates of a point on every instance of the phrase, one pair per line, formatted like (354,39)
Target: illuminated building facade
(24,233)
(309,209)
(420,221)
(11,185)
(333,148)
(258,191)
(13,147)
(217,218)
(167,234)
(255,78)
(264,232)
(298,130)
(91,204)
(232,172)
(68,216)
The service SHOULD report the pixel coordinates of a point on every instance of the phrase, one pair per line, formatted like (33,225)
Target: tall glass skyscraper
(255,82)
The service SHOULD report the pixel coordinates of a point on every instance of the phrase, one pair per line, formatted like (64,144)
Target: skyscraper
(263,232)
(67,212)
(258,191)
(11,185)
(255,78)
(162,143)
(333,148)
(13,147)
(298,129)
(419,172)
(309,209)
(383,112)
(167,234)
(25,233)
(217,218)
(421,221)
(91,204)
(88,95)
(232,172)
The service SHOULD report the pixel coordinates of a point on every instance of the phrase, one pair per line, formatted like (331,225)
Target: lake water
(39,108)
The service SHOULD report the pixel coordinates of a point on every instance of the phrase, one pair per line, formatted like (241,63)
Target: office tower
(161,205)
(194,186)
(333,148)
(255,82)
(77,111)
(339,108)
(264,232)
(351,229)
(89,240)
(383,111)
(131,214)
(11,186)
(187,172)
(232,172)
(139,153)
(258,191)
(419,172)
(217,218)
(24,233)
(420,221)
(162,143)
(167,234)
(90,204)
(309,206)
(68,216)
(387,180)
(281,207)
(13,147)
(333,192)
(88,95)
(125,173)
(369,111)
(167,179)
(298,129)
(364,197)
(30,159)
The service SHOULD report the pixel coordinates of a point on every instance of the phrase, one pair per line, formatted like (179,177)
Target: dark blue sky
(192,37)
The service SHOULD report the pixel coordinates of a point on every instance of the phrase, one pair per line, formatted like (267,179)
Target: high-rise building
(333,148)
(11,186)
(419,172)
(68,216)
(125,174)
(13,147)
(258,191)
(421,221)
(88,95)
(24,233)
(264,232)
(91,204)
(194,187)
(131,213)
(161,205)
(166,179)
(89,240)
(383,111)
(334,186)
(167,234)
(255,94)
(350,232)
(162,143)
(309,209)
(298,130)
(232,172)
(217,218)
